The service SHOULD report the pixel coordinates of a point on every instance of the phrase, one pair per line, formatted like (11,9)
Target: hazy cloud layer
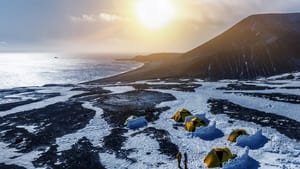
(106,17)
(110,25)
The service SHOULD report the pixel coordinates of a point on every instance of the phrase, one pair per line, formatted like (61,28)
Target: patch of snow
(254,141)
(149,82)
(282,75)
(94,131)
(110,161)
(66,93)
(119,89)
(208,133)
(11,156)
(30,129)
(242,162)
(146,153)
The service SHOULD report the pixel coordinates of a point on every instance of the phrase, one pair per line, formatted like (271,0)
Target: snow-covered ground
(278,152)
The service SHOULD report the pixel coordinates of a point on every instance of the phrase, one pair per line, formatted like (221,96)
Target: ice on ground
(208,133)
(136,123)
(110,161)
(30,129)
(94,131)
(119,89)
(242,162)
(11,156)
(254,141)
(156,82)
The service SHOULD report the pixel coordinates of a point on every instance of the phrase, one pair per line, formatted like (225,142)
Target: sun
(155,14)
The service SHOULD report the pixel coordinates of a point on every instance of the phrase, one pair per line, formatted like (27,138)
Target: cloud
(109,17)
(91,18)
(83,18)
(2,43)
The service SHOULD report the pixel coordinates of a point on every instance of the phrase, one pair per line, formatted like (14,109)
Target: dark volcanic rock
(284,125)
(5,92)
(90,92)
(185,87)
(118,107)
(59,85)
(291,87)
(52,121)
(38,97)
(242,86)
(280,97)
(4,166)
(114,142)
(82,155)
(162,136)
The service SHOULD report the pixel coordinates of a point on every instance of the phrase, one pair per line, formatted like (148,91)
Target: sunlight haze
(123,26)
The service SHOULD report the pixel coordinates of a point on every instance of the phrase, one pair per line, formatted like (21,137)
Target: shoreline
(142,64)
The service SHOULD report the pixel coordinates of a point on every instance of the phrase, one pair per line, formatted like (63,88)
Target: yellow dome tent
(180,115)
(235,134)
(217,156)
(195,122)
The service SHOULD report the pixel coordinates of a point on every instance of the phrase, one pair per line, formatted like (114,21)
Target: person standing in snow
(178,157)
(185,161)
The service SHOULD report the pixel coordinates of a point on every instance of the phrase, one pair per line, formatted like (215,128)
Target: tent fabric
(129,118)
(235,134)
(137,123)
(201,116)
(180,115)
(195,122)
(217,156)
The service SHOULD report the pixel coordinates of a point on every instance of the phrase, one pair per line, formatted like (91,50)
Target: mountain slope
(260,45)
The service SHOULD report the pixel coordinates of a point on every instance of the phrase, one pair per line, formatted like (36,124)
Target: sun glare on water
(155,14)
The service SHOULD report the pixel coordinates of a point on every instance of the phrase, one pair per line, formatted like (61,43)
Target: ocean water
(36,69)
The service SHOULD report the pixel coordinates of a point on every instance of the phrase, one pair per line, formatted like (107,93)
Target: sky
(112,26)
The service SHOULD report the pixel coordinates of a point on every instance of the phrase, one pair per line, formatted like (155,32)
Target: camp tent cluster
(198,124)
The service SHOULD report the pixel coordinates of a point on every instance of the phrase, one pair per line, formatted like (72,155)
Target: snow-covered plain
(278,152)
